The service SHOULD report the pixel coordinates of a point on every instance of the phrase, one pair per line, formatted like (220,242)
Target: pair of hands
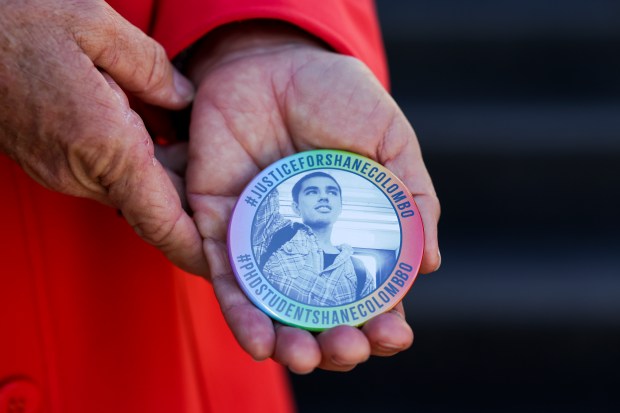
(263,91)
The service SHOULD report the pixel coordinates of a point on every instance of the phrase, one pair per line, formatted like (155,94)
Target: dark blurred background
(517,107)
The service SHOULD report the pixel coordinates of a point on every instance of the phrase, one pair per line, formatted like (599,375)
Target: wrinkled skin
(265,92)
(66,121)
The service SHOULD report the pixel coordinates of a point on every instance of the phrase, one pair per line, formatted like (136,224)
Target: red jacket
(94,320)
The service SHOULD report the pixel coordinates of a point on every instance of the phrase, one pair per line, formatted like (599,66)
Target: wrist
(238,40)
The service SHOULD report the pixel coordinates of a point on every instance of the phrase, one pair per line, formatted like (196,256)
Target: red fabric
(101,322)
(139,12)
(349,26)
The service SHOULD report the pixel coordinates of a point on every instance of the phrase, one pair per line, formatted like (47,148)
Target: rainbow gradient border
(318,318)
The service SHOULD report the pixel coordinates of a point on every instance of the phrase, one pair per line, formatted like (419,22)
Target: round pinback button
(324,238)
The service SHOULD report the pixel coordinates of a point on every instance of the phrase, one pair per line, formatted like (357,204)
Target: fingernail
(183,86)
(439,257)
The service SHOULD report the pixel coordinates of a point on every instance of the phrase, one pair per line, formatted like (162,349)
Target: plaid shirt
(296,268)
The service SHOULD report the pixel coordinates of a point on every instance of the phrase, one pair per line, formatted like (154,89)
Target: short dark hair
(297,187)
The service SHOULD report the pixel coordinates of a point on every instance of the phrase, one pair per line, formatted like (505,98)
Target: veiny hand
(265,94)
(65,119)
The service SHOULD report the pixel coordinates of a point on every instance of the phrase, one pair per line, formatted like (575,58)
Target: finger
(137,62)
(151,205)
(174,160)
(252,328)
(297,349)
(138,184)
(343,348)
(429,210)
(401,154)
(179,185)
(389,333)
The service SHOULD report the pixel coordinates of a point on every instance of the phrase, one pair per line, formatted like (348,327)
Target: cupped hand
(266,92)
(65,118)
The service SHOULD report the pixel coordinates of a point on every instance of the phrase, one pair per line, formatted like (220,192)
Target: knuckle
(156,68)
(98,153)
(97,32)
(153,229)
(92,158)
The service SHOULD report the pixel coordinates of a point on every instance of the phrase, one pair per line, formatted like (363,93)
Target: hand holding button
(266,92)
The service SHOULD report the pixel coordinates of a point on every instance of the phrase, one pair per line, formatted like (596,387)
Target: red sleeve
(138,12)
(348,26)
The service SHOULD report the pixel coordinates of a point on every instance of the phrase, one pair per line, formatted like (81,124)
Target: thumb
(134,60)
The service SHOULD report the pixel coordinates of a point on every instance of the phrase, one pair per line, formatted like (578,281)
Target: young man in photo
(299,259)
